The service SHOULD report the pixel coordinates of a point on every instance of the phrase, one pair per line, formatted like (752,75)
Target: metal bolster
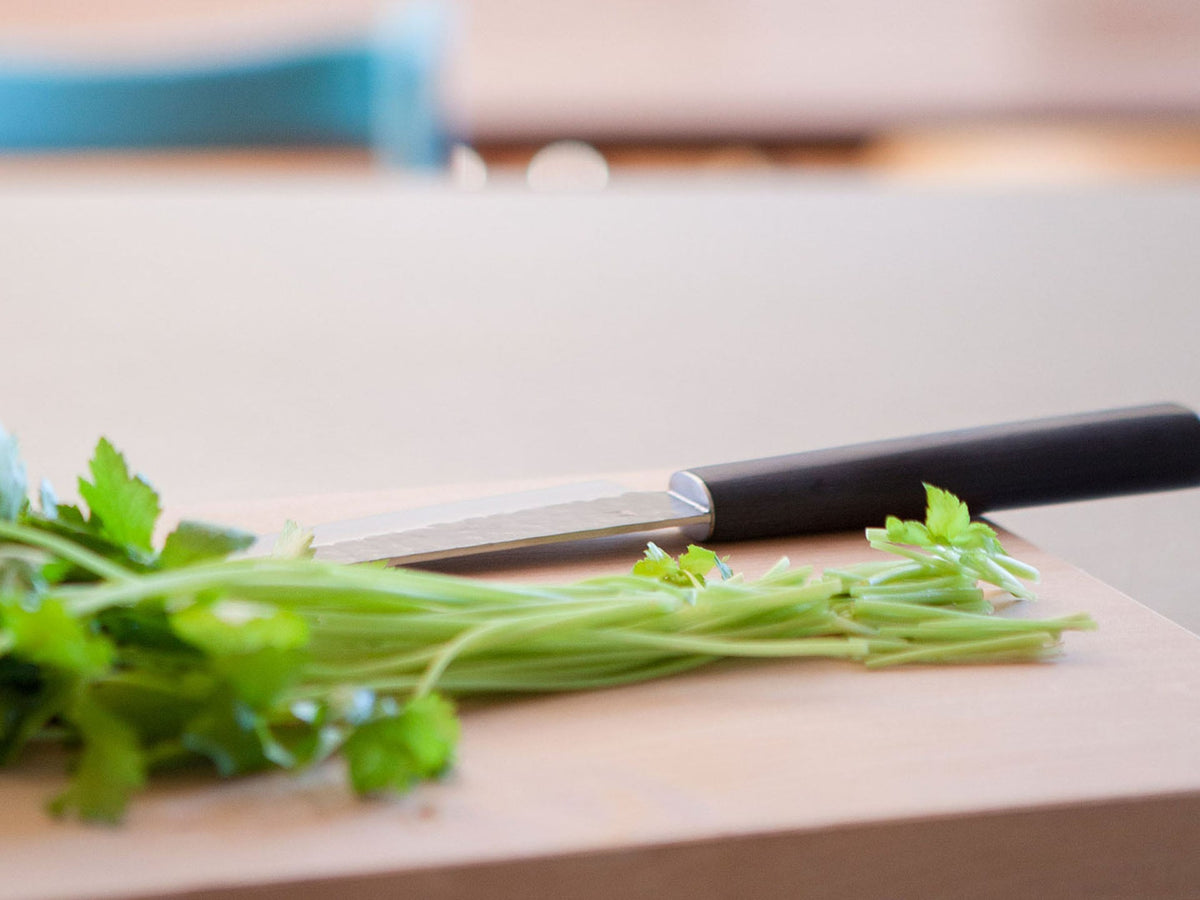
(691,489)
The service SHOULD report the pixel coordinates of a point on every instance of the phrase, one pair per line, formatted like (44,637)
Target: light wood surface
(1077,778)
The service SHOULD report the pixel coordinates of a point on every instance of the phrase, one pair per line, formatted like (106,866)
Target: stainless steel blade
(511,521)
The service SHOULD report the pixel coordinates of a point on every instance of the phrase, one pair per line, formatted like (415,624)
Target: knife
(1077,457)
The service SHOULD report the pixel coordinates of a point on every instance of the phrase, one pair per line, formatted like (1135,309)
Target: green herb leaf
(193,542)
(688,571)
(293,542)
(48,635)
(110,769)
(70,523)
(47,500)
(13,484)
(155,706)
(946,516)
(699,562)
(126,505)
(907,532)
(29,698)
(393,752)
(229,626)
(259,679)
(69,515)
(656,564)
(254,647)
(947,523)
(227,733)
(146,625)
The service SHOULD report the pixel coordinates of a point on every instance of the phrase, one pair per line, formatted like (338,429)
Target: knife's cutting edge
(507,522)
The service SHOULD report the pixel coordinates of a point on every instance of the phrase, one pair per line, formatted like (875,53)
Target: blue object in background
(382,93)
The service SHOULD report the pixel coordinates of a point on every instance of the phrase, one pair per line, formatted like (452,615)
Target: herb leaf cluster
(142,658)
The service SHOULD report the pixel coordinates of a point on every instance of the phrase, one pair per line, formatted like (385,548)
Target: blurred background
(1060,89)
(275,248)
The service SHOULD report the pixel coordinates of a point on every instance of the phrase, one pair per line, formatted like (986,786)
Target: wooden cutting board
(1077,778)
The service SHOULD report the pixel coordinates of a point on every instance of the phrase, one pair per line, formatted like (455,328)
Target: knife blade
(1077,457)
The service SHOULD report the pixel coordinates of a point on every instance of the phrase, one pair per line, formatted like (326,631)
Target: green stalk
(946,596)
(950,630)
(1023,646)
(514,629)
(296,580)
(67,549)
(464,683)
(887,611)
(853,648)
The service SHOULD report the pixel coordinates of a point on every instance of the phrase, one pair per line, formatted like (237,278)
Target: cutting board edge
(1002,853)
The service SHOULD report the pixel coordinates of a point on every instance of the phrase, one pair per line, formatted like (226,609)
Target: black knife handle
(1123,451)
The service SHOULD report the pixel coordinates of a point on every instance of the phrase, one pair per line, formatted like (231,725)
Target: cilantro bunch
(142,658)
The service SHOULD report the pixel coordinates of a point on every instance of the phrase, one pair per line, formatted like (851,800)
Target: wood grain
(1078,778)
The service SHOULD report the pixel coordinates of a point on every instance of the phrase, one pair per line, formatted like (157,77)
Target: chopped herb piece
(193,542)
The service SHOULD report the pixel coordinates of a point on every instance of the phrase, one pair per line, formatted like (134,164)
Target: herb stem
(66,549)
